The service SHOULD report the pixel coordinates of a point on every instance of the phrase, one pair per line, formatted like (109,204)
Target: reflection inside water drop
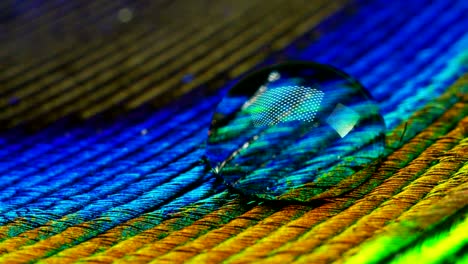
(294,126)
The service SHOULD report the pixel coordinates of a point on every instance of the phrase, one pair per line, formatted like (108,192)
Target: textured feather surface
(101,181)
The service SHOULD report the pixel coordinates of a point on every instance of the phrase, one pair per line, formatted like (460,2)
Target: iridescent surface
(294,126)
(133,189)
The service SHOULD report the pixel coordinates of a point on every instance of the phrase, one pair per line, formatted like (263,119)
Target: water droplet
(295,131)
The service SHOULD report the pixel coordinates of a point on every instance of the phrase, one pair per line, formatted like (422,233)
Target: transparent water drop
(295,131)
